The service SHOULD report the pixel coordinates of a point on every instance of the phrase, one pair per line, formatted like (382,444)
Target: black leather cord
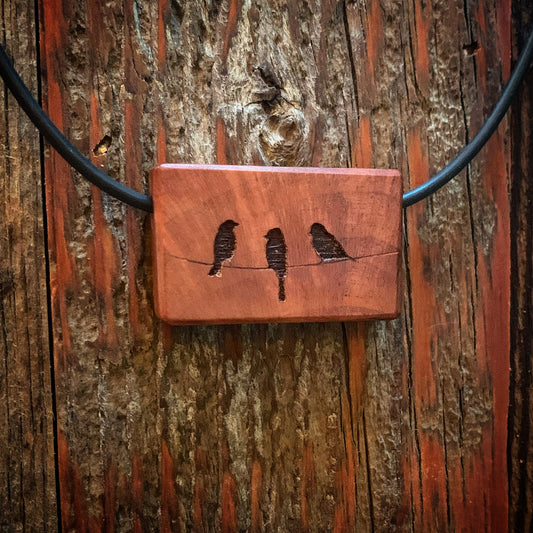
(52,134)
(483,135)
(142,201)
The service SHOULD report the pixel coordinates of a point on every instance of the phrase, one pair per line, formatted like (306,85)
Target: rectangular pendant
(235,245)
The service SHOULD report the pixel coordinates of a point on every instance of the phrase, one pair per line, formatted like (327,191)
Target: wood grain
(356,281)
(27,469)
(387,426)
(520,436)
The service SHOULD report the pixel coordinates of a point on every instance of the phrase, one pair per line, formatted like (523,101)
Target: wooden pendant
(269,244)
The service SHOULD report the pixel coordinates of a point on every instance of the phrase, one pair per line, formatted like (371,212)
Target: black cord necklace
(142,201)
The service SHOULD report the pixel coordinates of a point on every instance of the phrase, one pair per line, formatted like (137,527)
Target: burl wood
(259,244)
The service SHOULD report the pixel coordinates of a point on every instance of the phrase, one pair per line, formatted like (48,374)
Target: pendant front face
(235,245)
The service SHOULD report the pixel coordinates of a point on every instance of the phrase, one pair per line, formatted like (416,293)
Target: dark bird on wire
(224,247)
(276,254)
(326,245)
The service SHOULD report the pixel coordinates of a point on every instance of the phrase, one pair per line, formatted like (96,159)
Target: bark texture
(385,426)
(27,472)
(520,443)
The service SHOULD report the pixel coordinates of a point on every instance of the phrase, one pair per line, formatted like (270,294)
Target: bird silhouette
(276,255)
(224,247)
(326,245)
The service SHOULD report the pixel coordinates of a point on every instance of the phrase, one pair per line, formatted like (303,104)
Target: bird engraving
(224,247)
(276,255)
(326,245)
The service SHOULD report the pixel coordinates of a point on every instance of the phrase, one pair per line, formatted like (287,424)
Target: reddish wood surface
(381,426)
(360,208)
(387,426)
(27,469)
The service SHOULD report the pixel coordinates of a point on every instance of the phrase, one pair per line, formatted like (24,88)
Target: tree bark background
(385,426)
(27,471)
(520,440)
